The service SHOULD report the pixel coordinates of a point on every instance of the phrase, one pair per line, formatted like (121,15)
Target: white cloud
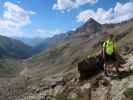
(14,18)
(3,24)
(55,32)
(32,12)
(117,14)
(100,15)
(14,34)
(41,30)
(16,14)
(70,4)
(47,33)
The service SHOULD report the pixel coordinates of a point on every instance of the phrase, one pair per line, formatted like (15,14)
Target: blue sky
(45,18)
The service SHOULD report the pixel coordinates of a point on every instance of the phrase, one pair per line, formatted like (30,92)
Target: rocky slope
(68,87)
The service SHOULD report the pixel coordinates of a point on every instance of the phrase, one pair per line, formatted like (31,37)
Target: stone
(72,95)
(85,86)
(58,90)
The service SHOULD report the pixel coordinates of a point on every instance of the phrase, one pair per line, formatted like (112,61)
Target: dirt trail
(24,71)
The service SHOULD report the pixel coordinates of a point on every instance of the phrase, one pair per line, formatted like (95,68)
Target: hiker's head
(109,35)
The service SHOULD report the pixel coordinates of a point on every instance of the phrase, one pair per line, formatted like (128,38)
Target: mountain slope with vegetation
(10,67)
(11,48)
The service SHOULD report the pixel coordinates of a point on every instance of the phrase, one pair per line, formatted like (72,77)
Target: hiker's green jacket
(109,47)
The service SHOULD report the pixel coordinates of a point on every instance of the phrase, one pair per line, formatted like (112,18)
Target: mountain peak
(91,26)
(92,21)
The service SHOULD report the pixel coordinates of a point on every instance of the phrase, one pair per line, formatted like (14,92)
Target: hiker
(109,54)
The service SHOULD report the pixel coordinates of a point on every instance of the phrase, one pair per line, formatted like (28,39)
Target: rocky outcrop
(90,67)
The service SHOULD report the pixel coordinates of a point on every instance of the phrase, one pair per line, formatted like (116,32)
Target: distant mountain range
(49,42)
(12,48)
(26,47)
(33,41)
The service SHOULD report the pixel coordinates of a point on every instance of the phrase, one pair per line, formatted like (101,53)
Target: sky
(46,18)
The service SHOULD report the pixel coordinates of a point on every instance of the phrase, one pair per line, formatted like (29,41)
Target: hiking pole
(89,93)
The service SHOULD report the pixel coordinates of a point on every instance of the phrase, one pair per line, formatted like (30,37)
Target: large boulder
(90,67)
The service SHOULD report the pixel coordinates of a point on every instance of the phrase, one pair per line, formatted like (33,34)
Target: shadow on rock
(90,67)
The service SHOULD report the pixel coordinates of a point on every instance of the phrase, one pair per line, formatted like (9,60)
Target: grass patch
(129,93)
(9,67)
